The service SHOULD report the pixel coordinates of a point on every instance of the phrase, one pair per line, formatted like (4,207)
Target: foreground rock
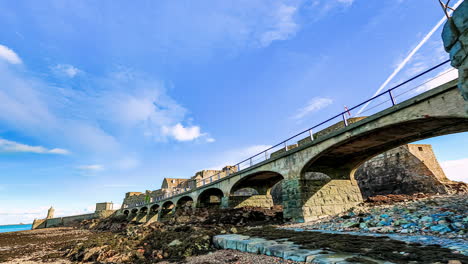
(442,216)
(325,248)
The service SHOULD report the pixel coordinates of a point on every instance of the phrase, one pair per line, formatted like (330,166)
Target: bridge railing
(383,100)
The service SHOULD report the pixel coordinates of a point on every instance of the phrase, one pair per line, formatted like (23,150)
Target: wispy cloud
(456,170)
(12,146)
(9,55)
(315,104)
(66,69)
(91,167)
(284,25)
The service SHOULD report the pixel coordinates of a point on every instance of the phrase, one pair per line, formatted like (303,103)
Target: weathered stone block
(457,54)
(278,250)
(460,17)
(449,35)
(299,255)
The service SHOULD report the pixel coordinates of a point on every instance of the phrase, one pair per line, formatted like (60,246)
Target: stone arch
(154,208)
(185,202)
(134,211)
(341,159)
(262,183)
(143,210)
(167,209)
(329,174)
(211,197)
(126,212)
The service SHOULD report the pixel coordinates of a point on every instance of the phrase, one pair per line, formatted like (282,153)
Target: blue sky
(98,98)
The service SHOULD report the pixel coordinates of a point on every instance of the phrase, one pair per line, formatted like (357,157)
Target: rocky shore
(366,234)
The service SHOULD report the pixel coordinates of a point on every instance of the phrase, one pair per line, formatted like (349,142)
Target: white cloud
(456,170)
(284,26)
(9,55)
(91,167)
(12,146)
(313,105)
(181,133)
(210,140)
(66,69)
(346,2)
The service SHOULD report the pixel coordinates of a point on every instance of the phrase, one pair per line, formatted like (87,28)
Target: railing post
(391,97)
(238,167)
(286,145)
(345,120)
(266,154)
(250,161)
(311,135)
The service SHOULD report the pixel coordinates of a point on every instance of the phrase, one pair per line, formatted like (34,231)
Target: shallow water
(14,228)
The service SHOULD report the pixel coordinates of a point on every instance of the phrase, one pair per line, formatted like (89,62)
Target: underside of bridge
(166,210)
(327,181)
(254,190)
(210,198)
(184,203)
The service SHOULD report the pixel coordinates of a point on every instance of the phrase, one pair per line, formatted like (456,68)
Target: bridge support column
(317,195)
(329,198)
(292,200)
(225,202)
(259,200)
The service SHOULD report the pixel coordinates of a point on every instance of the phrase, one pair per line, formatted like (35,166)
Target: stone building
(407,169)
(176,185)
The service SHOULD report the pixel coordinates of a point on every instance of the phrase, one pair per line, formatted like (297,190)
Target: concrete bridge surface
(317,176)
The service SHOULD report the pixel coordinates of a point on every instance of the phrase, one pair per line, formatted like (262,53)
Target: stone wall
(264,201)
(39,223)
(455,37)
(328,197)
(407,169)
(101,212)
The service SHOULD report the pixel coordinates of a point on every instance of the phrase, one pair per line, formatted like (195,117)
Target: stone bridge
(318,174)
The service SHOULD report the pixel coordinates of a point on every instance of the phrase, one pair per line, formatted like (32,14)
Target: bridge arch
(209,198)
(328,172)
(143,210)
(167,209)
(154,208)
(126,212)
(185,202)
(255,190)
(133,214)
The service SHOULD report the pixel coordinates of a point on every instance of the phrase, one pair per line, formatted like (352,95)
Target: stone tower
(50,213)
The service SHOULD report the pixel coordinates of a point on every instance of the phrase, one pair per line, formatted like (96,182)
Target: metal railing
(307,135)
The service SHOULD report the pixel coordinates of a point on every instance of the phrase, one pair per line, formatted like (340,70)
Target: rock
(441,228)
(175,243)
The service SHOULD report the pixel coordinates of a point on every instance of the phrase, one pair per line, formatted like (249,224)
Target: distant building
(170,186)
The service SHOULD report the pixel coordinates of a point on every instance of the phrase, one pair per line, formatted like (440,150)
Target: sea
(14,228)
